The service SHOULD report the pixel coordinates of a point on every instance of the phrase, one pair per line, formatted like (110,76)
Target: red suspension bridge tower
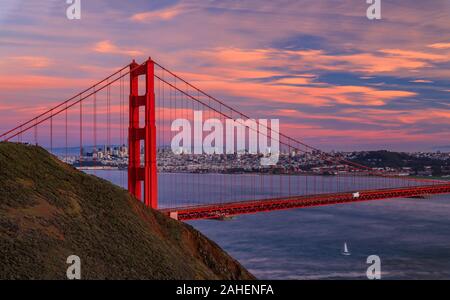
(145,171)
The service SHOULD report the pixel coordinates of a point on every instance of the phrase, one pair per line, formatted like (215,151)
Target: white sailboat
(346,252)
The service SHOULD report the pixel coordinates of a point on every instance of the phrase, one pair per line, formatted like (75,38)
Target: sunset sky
(334,78)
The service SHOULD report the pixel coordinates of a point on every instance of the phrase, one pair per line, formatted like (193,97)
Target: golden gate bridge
(100,115)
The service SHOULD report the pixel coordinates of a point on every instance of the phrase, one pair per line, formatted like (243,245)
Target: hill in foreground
(49,210)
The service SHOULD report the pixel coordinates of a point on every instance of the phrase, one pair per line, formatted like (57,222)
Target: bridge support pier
(145,171)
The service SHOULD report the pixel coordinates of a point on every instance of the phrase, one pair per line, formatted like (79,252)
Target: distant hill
(444,148)
(383,158)
(49,210)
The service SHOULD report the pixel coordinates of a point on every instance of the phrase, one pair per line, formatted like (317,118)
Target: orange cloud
(295,81)
(108,47)
(356,118)
(415,55)
(440,46)
(227,73)
(427,115)
(368,96)
(391,61)
(421,81)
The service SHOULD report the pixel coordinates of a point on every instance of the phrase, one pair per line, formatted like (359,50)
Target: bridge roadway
(225,210)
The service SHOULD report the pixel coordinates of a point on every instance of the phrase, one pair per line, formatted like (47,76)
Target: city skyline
(370,92)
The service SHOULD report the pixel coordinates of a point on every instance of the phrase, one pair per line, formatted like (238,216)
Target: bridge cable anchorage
(236,183)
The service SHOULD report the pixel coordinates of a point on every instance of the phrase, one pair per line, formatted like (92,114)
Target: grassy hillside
(385,158)
(49,210)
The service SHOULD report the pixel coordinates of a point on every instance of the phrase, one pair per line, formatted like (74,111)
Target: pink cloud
(37,82)
(338,137)
(382,61)
(405,117)
(37,62)
(312,95)
(416,55)
(162,14)
(227,58)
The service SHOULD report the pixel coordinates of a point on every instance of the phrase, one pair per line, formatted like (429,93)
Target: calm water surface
(411,236)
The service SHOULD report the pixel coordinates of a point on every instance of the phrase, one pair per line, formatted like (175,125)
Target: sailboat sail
(345,252)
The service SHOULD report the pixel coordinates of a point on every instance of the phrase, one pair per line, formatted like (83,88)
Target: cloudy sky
(334,78)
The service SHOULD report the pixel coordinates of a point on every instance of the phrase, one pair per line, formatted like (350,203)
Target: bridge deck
(223,210)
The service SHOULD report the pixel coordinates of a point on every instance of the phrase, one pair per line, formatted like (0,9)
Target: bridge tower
(146,171)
